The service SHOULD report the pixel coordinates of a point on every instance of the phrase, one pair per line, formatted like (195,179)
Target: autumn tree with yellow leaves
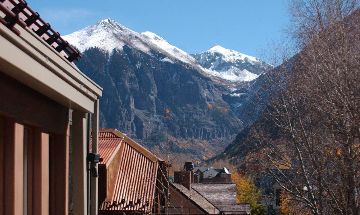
(247,193)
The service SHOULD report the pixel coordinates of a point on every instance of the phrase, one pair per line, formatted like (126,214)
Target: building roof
(19,14)
(136,179)
(200,169)
(108,147)
(196,198)
(35,55)
(210,172)
(224,170)
(223,196)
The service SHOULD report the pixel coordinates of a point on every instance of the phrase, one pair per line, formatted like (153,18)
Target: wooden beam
(29,166)
(79,164)
(59,173)
(41,174)
(14,139)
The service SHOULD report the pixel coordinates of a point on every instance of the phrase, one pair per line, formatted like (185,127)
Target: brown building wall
(33,143)
(180,204)
(36,105)
(2,172)
(31,108)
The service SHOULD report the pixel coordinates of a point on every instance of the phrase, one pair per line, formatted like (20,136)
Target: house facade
(47,109)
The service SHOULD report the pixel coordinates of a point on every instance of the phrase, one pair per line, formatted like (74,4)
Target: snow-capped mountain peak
(230,65)
(218,61)
(107,21)
(108,35)
(232,55)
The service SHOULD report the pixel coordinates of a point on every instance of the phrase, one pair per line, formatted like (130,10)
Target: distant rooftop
(223,196)
(197,198)
(210,172)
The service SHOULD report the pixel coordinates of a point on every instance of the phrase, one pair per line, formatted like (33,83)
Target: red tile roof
(136,180)
(15,14)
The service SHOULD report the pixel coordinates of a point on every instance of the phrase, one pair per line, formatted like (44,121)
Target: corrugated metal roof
(107,133)
(136,180)
(108,147)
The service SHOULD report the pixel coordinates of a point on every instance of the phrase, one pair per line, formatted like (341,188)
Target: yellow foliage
(284,204)
(247,192)
(224,110)
(167,113)
(289,207)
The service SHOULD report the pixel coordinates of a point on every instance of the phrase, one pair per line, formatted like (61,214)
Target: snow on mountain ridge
(162,44)
(108,35)
(232,55)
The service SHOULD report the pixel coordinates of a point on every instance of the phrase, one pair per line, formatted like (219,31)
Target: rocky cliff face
(157,93)
(155,101)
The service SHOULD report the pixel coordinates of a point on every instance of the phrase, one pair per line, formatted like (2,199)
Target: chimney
(188,166)
(185,177)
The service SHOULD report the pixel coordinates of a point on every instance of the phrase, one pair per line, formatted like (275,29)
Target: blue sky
(248,26)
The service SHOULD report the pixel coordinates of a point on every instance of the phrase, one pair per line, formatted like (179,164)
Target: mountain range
(171,101)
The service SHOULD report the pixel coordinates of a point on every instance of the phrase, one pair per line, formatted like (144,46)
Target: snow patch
(167,60)
(233,74)
(237,94)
